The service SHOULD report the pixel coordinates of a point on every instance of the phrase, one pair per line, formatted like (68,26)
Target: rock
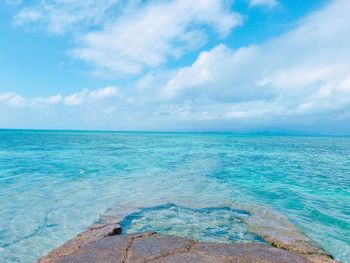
(153,247)
(248,252)
(111,249)
(279,232)
(102,243)
(93,233)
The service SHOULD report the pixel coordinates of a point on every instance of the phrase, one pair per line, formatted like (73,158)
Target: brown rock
(153,247)
(279,232)
(111,249)
(93,233)
(101,243)
(248,252)
(191,258)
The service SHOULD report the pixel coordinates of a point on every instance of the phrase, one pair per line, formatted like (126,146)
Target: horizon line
(252,132)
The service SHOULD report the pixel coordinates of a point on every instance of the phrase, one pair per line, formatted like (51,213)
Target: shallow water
(216,224)
(54,184)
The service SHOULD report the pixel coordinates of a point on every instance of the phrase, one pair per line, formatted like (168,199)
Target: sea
(54,184)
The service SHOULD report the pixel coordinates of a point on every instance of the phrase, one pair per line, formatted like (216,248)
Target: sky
(176,65)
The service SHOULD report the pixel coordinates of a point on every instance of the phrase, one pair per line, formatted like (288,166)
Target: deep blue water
(53,184)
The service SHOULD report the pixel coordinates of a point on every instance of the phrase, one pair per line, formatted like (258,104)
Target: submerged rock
(279,232)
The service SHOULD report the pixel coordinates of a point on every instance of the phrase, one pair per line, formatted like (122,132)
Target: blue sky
(243,65)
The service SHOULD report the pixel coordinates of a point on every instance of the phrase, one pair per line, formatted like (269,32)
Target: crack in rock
(188,248)
(133,238)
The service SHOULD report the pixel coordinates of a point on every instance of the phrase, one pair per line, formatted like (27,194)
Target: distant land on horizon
(258,132)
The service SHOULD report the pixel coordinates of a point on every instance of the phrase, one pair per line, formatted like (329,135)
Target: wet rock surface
(153,247)
(279,232)
(93,233)
(102,243)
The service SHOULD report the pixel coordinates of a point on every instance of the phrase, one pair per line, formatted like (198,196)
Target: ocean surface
(53,184)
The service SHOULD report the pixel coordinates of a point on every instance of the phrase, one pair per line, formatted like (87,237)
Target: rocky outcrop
(102,243)
(153,247)
(279,232)
(94,233)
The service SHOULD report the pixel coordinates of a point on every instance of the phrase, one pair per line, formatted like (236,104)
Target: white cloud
(75,98)
(300,79)
(129,36)
(304,71)
(42,101)
(219,74)
(264,3)
(103,93)
(85,95)
(13,2)
(60,16)
(14,100)
(151,34)
(27,15)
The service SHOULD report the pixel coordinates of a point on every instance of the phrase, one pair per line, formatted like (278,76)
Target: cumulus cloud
(154,32)
(85,95)
(220,74)
(304,71)
(12,100)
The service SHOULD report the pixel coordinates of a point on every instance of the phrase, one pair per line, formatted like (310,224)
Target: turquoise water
(54,184)
(223,224)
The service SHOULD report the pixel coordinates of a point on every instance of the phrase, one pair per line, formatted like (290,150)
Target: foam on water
(54,184)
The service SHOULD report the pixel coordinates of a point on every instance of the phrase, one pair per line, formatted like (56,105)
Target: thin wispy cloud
(149,35)
(131,35)
(85,96)
(13,2)
(61,16)
(263,3)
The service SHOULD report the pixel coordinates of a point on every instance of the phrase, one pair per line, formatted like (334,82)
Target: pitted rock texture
(93,233)
(153,247)
(102,243)
(279,232)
